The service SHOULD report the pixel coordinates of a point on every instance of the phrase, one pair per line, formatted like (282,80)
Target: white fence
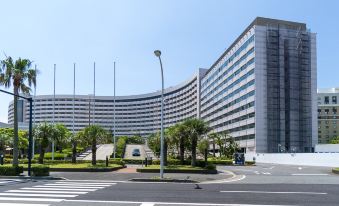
(310,159)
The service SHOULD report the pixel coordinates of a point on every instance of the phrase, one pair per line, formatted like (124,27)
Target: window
(327,111)
(334,99)
(327,100)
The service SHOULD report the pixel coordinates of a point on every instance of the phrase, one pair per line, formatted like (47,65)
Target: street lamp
(158,54)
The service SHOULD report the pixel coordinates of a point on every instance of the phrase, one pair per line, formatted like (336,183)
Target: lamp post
(158,54)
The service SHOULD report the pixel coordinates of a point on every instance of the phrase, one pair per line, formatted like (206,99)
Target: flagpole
(114,149)
(53,111)
(34,114)
(94,95)
(73,96)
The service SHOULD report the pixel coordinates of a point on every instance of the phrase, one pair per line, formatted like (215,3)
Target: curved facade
(261,90)
(134,114)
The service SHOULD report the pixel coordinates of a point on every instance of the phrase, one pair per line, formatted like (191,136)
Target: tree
(213,137)
(43,134)
(62,136)
(20,73)
(220,143)
(203,148)
(230,145)
(196,128)
(335,140)
(93,135)
(5,139)
(75,140)
(179,135)
(154,143)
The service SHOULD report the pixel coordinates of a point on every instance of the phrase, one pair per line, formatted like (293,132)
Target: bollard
(106,161)
(146,163)
(1,159)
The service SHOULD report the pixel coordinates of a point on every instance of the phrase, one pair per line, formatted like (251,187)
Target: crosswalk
(4,182)
(49,193)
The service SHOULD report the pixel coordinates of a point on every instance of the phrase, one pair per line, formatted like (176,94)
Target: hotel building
(261,90)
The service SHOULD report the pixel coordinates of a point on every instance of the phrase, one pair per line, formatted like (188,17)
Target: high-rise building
(328,118)
(261,90)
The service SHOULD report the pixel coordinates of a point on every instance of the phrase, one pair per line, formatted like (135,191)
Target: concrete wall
(327,148)
(310,159)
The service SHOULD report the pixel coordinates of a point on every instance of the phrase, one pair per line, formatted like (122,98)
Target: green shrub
(40,170)
(134,161)
(6,170)
(210,167)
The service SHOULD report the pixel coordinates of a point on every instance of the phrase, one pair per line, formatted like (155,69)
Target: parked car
(136,152)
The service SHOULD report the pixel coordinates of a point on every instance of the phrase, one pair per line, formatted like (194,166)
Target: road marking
(266,173)
(35,195)
(256,172)
(78,185)
(269,192)
(20,204)
(49,191)
(71,187)
(32,199)
(166,203)
(105,181)
(300,168)
(85,183)
(64,189)
(147,204)
(309,174)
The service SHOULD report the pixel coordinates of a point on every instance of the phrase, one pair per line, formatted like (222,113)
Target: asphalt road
(131,147)
(102,152)
(258,185)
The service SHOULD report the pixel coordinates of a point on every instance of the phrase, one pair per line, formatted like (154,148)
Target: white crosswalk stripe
(51,192)
(9,181)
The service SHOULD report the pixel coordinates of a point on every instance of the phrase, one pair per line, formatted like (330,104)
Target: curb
(85,169)
(335,171)
(162,180)
(141,170)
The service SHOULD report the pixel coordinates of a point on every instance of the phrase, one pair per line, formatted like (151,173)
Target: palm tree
(179,134)
(203,148)
(43,133)
(94,134)
(197,128)
(213,138)
(75,140)
(20,73)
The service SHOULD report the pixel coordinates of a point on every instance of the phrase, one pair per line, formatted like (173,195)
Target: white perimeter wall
(310,159)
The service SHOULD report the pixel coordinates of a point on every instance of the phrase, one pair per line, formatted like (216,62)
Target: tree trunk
(42,155)
(213,149)
(74,152)
(94,151)
(165,152)
(182,151)
(194,152)
(16,138)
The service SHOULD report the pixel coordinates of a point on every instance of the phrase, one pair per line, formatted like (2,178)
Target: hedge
(6,170)
(40,170)
(49,162)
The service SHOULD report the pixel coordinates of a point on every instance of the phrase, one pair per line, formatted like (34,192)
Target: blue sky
(190,34)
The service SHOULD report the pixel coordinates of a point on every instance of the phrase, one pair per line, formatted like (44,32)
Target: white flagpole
(53,111)
(73,96)
(34,115)
(94,96)
(114,149)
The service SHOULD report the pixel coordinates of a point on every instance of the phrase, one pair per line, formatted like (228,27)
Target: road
(102,151)
(264,184)
(131,147)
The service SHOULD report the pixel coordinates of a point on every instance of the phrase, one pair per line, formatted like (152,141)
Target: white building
(261,90)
